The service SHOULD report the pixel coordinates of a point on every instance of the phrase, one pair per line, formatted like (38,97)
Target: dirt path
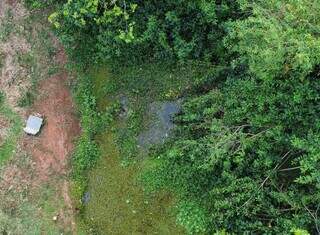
(52,148)
(36,176)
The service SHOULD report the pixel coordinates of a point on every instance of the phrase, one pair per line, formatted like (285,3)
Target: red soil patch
(52,148)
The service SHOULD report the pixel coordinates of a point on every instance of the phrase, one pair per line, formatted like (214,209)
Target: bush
(139,30)
(192,217)
(247,153)
(280,45)
(86,152)
(38,4)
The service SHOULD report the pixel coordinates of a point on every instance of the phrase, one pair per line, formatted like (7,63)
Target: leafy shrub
(247,153)
(82,24)
(161,29)
(85,155)
(300,232)
(38,4)
(86,152)
(280,45)
(192,217)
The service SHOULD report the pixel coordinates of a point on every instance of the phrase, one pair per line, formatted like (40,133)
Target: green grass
(6,27)
(8,147)
(35,62)
(118,204)
(31,214)
(2,60)
(50,205)
(26,99)
(31,211)
(20,222)
(39,61)
(26,59)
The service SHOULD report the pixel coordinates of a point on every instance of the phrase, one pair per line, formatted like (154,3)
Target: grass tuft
(8,147)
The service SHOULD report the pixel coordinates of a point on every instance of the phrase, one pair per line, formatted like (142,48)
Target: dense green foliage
(248,155)
(93,122)
(86,153)
(39,4)
(245,156)
(92,27)
(137,30)
(280,39)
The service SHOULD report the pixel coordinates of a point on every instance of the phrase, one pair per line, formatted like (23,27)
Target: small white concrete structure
(33,125)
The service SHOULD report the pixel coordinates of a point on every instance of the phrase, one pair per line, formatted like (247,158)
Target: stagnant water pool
(116,203)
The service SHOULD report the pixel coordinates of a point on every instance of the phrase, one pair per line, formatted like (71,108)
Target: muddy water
(117,203)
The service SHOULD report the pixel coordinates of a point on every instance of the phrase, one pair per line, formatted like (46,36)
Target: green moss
(118,203)
(141,85)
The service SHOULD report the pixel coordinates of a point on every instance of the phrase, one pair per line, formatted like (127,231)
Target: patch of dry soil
(4,126)
(52,147)
(16,6)
(50,151)
(13,77)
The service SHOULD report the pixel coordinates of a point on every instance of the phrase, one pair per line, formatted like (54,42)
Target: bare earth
(42,160)
(52,148)
(13,77)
